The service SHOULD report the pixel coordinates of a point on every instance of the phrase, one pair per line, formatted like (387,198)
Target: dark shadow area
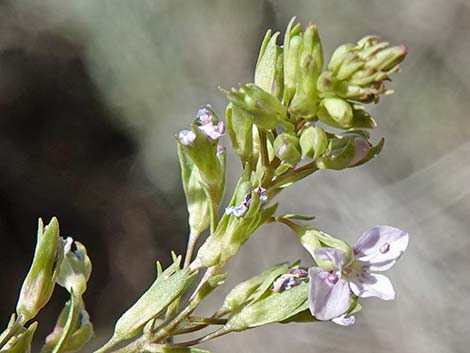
(62,154)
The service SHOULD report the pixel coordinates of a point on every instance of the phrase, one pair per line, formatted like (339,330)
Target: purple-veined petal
(380,247)
(336,256)
(328,296)
(372,285)
(344,320)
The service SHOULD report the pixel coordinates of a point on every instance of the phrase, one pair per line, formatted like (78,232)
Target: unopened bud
(345,151)
(287,149)
(387,59)
(358,71)
(40,281)
(337,110)
(313,142)
(265,110)
(292,50)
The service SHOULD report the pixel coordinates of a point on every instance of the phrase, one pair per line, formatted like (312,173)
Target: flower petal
(380,247)
(372,285)
(335,256)
(344,320)
(327,298)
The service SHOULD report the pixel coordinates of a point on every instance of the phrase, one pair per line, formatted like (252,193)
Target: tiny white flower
(186,137)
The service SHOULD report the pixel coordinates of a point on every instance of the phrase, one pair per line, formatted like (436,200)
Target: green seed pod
(348,150)
(287,149)
(313,142)
(336,109)
(40,281)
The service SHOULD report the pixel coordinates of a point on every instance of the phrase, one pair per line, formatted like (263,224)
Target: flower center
(332,277)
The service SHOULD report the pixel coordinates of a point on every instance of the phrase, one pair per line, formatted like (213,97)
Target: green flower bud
(292,49)
(76,268)
(358,71)
(350,149)
(313,142)
(305,101)
(40,281)
(287,149)
(337,110)
(387,59)
(338,57)
(264,109)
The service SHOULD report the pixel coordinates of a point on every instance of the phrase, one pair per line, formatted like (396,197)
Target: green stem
(190,248)
(207,320)
(132,347)
(263,148)
(107,346)
(223,331)
(193,303)
(302,171)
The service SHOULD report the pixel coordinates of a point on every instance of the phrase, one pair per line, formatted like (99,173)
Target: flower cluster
(297,117)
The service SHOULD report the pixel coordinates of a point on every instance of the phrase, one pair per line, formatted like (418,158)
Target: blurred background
(92,93)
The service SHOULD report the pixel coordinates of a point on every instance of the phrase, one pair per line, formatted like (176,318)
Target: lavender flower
(330,291)
(241,209)
(292,278)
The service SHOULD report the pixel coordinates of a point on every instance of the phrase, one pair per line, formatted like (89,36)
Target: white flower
(186,137)
(330,291)
(213,131)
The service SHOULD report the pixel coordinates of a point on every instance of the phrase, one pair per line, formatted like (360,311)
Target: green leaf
(166,288)
(241,293)
(297,216)
(276,307)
